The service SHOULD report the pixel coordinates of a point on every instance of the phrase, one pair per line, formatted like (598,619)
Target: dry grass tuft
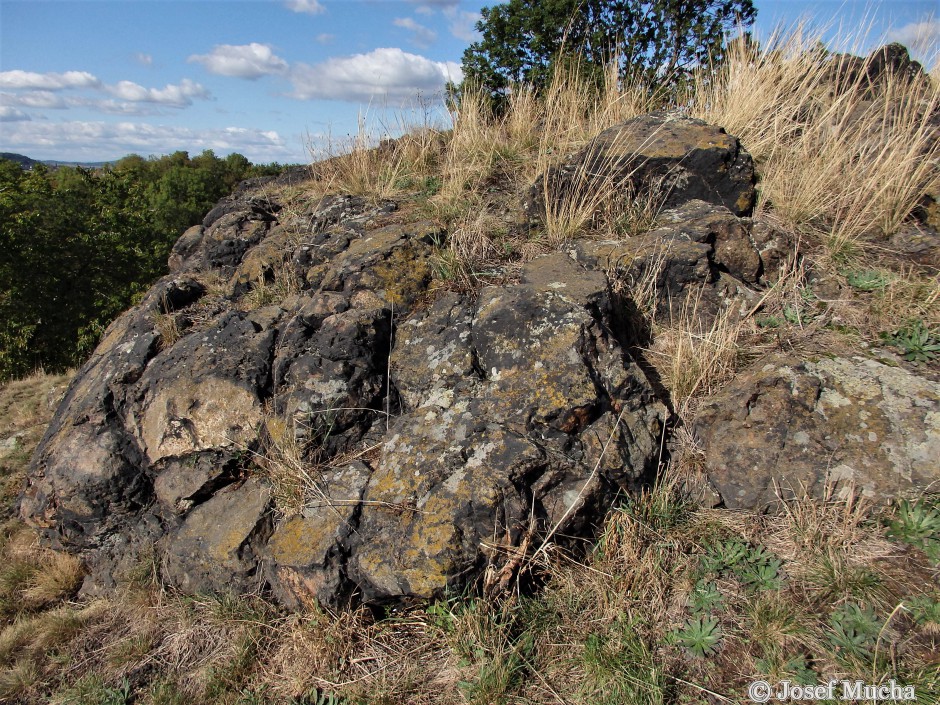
(839,159)
(366,166)
(285,459)
(694,358)
(266,290)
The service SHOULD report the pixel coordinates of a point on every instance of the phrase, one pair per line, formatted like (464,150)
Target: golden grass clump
(366,166)
(840,157)
(694,357)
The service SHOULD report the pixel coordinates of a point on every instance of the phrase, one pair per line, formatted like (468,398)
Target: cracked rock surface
(293,408)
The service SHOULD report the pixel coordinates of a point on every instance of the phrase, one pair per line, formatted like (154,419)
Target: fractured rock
(789,425)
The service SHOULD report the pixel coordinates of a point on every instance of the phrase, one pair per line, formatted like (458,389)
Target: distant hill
(20,159)
(28,163)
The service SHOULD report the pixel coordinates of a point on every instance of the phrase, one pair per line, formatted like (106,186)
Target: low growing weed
(700,635)
(918,524)
(854,631)
(754,566)
(917,342)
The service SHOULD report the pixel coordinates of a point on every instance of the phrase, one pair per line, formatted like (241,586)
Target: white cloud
(143,59)
(100,140)
(420,35)
(128,94)
(8,114)
(385,73)
(249,61)
(462,23)
(174,96)
(325,38)
(114,107)
(919,37)
(44,100)
(309,7)
(47,81)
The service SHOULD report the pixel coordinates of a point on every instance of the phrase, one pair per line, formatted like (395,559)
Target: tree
(77,246)
(657,40)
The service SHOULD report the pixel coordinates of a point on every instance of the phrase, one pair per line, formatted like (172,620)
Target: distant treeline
(77,246)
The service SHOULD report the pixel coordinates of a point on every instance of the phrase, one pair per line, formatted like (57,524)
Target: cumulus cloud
(100,140)
(143,59)
(136,99)
(47,81)
(43,100)
(325,38)
(308,7)
(420,35)
(385,73)
(462,24)
(249,61)
(176,96)
(919,37)
(8,114)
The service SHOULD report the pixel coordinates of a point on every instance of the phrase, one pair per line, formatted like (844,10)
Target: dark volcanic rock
(700,256)
(428,444)
(296,409)
(681,158)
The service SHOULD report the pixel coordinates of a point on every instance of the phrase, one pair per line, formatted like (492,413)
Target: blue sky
(93,80)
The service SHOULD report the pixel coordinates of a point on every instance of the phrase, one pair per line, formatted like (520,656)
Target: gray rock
(217,546)
(790,425)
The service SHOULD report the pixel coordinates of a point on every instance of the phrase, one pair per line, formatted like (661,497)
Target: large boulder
(679,158)
(292,409)
(296,408)
(844,424)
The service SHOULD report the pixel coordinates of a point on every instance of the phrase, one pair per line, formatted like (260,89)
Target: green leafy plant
(854,630)
(918,343)
(918,523)
(441,615)
(769,321)
(705,597)
(700,636)
(762,576)
(756,567)
(724,555)
(760,569)
(925,609)
(868,279)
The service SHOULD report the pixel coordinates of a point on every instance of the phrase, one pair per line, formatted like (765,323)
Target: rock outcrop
(679,158)
(791,426)
(294,408)
(435,435)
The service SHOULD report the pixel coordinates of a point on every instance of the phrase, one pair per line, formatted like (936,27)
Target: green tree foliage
(77,247)
(657,40)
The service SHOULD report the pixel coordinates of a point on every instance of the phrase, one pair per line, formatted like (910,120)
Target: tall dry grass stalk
(840,156)
(694,358)
(532,130)
(365,165)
